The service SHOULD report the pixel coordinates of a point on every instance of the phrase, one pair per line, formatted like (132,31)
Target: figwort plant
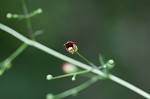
(71,67)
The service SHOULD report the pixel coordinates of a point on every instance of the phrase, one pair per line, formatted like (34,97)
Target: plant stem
(129,86)
(28,21)
(77,89)
(17,52)
(71,74)
(72,61)
(6,64)
(22,47)
(90,63)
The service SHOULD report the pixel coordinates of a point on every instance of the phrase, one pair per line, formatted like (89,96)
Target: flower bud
(71,47)
(50,96)
(110,64)
(69,68)
(49,77)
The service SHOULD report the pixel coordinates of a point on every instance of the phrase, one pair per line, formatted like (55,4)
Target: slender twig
(7,63)
(17,52)
(70,74)
(77,89)
(75,62)
(23,46)
(90,63)
(129,86)
(28,21)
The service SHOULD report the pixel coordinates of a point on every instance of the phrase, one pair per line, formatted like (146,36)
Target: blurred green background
(117,29)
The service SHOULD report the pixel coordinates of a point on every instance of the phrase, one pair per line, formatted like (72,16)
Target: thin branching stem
(17,52)
(85,59)
(23,46)
(72,61)
(79,88)
(71,74)
(28,21)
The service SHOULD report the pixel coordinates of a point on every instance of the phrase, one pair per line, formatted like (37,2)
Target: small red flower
(71,47)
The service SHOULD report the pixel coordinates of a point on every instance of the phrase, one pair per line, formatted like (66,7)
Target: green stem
(17,52)
(85,59)
(77,89)
(71,74)
(6,64)
(129,86)
(28,21)
(72,61)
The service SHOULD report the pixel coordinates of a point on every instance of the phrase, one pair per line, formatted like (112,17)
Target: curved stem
(75,62)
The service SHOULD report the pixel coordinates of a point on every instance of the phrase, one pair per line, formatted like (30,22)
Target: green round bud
(49,96)
(39,10)
(9,15)
(49,77)
(110,64)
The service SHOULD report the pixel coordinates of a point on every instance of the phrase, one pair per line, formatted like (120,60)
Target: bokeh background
(117,29)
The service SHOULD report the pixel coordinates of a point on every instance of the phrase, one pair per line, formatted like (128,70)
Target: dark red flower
(71,47)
